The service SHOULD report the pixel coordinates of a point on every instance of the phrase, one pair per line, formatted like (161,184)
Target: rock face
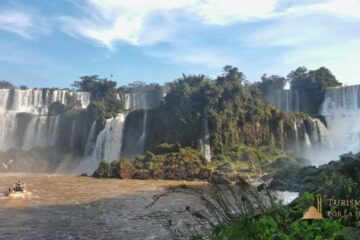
(126,169)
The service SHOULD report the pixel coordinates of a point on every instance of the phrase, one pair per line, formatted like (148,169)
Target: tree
(311,86)
(98,87)
(271,84)
(6,85)
(103,93)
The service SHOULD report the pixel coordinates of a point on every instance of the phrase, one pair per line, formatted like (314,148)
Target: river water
(70,207)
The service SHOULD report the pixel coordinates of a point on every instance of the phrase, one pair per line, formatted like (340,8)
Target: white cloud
(343,8)
(222,12)
(128,21)
(23,23)
(107,21)
(311,33)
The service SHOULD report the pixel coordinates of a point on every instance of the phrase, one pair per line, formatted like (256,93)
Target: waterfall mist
(341,109)
(26,126)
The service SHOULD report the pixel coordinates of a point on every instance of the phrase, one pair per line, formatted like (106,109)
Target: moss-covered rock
(103,171)
(126,169)
(173,162)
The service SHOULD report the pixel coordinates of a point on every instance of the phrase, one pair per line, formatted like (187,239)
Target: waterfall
(287,100)
(307,141)
(141,142)
(109,140)
(8,125)
(90,140)
(296,139)
(24,123)
(108,144)
(206,138)
(42,131)
(312,140)
(341,109)
(72,135)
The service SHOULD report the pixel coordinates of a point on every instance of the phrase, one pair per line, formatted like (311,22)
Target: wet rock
(142,174)
(126,169)
(103,171)
(219,178)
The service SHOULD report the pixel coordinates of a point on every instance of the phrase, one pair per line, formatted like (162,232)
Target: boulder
(126,169)
(219,179)
(103,171)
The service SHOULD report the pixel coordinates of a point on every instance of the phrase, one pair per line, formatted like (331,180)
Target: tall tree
(5,85)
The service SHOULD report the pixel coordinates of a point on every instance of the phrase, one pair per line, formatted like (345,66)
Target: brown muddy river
(70,207)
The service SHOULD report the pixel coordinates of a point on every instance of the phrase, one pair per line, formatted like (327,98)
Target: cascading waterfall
(41,132)
(90,144)
(35,128)
(72,134)
(296,139)
(107,146)
(287,100)
(341,109)
(8,126)
(139,101)
(206,138)
(141,142)
(312,140)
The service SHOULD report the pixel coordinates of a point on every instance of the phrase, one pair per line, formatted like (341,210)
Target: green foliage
(182,163)
(236,114)
(6,85)
(103,95)
(311,86)
(243,158)
(271,84)
(284,226)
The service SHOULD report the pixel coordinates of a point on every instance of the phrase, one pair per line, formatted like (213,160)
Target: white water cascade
(206,138)
(107,146)
(140,101)
(90,143)
(341,109)
(24,123)
(287,100)
(312,141)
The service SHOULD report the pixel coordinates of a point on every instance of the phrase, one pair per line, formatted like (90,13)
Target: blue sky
(53,43)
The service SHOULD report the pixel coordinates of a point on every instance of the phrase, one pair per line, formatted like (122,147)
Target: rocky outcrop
(126,169)
(103,171)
